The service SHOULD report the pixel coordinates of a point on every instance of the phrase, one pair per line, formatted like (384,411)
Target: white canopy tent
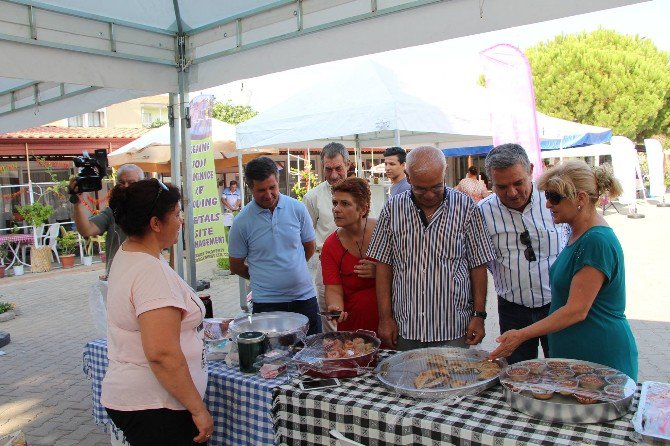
(370,107)
(67,57)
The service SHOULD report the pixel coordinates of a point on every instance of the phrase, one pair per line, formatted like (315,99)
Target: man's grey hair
(332,150)
(423,159)
(131,168)
(505,156)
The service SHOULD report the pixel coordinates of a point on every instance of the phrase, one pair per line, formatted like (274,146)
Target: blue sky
(456,61)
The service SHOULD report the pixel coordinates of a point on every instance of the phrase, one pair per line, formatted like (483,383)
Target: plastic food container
(652,419)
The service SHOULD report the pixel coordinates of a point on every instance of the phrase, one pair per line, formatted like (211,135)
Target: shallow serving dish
(652,419)
(282,329)
(400,372)
(556,398)
(313,359)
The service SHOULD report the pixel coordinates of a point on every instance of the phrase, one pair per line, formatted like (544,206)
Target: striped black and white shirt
(431,293)
(518,280)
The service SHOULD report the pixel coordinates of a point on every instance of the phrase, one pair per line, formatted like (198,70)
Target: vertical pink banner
(509,85)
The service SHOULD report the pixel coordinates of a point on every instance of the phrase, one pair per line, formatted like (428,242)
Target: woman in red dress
(348,275)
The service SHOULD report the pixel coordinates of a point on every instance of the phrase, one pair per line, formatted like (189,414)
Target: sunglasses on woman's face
(553,197)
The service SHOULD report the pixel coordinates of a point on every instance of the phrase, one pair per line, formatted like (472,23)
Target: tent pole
(357,156)
(287,171)
(241,281)
(185,121)
(30,193)
(175,174)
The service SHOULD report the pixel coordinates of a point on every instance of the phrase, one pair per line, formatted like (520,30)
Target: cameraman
(104,222)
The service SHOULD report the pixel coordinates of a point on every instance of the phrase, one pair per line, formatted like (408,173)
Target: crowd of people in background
(416,275)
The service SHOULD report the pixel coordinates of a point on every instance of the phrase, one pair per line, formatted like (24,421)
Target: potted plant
(7,311)
(4,258)
(36,215)
(103,249)
(87,260)
(67,244)
(222,267)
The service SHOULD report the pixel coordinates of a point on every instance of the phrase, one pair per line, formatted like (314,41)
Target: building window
(147,119)
(75,121)
(96,119)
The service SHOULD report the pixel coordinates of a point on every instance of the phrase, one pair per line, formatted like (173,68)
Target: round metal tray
(283,329)
(562,408)
(398,372)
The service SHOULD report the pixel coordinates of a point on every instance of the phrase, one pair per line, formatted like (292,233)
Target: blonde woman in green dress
(587,318)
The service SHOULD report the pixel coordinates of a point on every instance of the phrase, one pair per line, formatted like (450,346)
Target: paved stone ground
(44,392)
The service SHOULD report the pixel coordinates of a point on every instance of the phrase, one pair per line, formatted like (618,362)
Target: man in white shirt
(526,240)
(319,202)
(232,201)
(231,197)
(394,166)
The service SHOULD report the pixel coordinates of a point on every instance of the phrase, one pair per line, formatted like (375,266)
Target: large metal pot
(311,360)
(282,329)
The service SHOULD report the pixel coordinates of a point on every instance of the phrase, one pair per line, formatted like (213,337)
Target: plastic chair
(91,241)
(51,239)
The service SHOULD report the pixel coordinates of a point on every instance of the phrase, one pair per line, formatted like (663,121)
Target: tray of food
(652,419)
(567,390)
(340,354)
(440,372)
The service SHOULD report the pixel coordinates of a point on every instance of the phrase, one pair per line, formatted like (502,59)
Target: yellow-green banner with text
(210,240)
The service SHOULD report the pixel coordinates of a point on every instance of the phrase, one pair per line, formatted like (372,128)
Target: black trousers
(514,317)
(153,427)
(309,308)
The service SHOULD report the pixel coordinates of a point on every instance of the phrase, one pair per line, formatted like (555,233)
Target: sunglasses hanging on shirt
(524,238)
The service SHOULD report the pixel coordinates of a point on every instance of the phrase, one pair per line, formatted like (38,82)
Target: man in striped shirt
(527,243)
(432,247)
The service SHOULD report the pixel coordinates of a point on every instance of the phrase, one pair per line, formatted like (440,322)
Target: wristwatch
(481,314)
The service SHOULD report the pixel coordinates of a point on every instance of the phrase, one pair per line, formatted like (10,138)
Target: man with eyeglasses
(319,203)
(432,247)
(527,243)
(94,225)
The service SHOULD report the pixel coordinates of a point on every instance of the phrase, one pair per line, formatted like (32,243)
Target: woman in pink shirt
(154,387)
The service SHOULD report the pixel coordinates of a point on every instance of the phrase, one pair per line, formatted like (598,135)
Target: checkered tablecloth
(240,404)
(367,412)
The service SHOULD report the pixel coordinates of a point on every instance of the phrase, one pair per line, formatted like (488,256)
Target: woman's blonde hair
(569,177)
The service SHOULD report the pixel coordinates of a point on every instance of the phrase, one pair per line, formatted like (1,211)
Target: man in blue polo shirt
(274,234)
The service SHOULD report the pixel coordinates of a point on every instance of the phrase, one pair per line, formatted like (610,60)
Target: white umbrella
(154,146)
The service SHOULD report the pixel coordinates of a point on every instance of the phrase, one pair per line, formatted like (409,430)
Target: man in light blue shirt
(274,234)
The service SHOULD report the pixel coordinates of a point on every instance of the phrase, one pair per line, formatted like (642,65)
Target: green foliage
(6,306)
(68,242)
(4,253)
(157,123)
(305,178)
(223,263)
(231,113)
(604,78)
(35,214)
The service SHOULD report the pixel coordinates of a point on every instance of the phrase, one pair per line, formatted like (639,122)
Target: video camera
(92,170)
